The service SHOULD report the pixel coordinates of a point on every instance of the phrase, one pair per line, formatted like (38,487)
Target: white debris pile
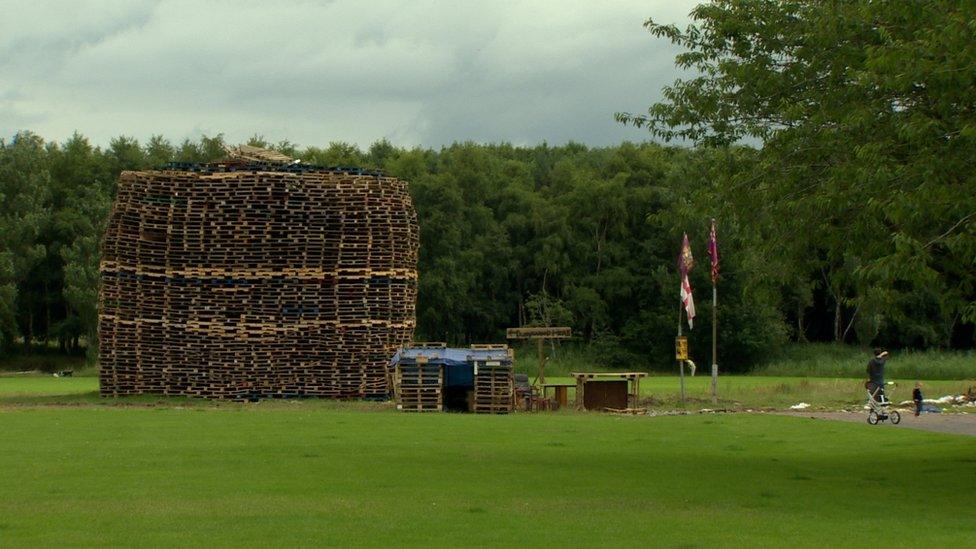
(957,400)
(800,406)
(947,399)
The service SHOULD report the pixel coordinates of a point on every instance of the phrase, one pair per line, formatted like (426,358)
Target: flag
(686,262)
(713,252)
(688,300)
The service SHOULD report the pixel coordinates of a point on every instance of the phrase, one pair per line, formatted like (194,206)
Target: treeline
(861,201)
(568,235)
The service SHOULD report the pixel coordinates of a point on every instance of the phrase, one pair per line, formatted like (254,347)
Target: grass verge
(832,360)
(658,393)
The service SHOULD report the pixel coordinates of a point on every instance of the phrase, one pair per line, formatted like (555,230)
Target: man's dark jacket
(876,370)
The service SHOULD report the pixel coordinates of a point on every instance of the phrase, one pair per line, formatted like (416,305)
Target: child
(917,397)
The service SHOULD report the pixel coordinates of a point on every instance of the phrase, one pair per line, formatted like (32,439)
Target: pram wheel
(895,417)
(873,417)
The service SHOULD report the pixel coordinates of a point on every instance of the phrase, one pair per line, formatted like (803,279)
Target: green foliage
(8,296)
(48,361)
(569,235)
(544,310)
(24,191)
(864,188)
(51,226)
(562,235)
(833,360)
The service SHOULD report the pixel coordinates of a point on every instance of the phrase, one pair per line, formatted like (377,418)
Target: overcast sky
(422,73)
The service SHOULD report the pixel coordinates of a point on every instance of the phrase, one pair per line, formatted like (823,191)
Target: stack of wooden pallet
(494,387)
(241,280)
(419,387)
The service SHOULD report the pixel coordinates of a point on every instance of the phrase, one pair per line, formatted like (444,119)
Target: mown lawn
(659,392)
(274,476)
(45,385)
(780,392)
(774,392)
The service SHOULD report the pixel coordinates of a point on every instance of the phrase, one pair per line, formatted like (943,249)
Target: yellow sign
(681,348)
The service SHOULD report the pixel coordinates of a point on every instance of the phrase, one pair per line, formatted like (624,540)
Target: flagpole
(714,343)
(681,363)
(685,262)
(713,255)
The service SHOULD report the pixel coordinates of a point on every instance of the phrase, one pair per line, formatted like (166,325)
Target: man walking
(876,367)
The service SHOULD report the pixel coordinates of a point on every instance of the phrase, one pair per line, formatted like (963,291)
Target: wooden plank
(489,347)
(556,332)
(608,375)
(428,345)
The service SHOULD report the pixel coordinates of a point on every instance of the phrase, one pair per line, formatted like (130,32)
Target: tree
(125,154)
(8,299)
(159,151)
(24,187)
(337,154)
(865,116)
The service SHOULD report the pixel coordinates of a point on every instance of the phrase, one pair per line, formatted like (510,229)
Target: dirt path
(957,424)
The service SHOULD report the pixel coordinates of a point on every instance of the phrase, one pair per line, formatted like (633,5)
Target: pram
(878,405)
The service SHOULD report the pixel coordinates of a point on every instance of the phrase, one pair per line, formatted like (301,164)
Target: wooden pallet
(510,353)
(234,284)
(419,387)
(489,347)
(428,345)
(494,389)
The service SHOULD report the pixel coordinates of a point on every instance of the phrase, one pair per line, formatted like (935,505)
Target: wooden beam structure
(540,335)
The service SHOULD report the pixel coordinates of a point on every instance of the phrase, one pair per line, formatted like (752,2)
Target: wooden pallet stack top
(238,277)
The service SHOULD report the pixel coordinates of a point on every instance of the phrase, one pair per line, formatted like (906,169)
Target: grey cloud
(38,37)
(418,73)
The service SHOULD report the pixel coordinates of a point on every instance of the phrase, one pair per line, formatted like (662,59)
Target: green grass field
(46,386)
(80,470)
(659,392)
(259,476)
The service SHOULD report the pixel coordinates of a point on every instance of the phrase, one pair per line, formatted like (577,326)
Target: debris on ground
(955,400)
(800,406)
(947,399)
